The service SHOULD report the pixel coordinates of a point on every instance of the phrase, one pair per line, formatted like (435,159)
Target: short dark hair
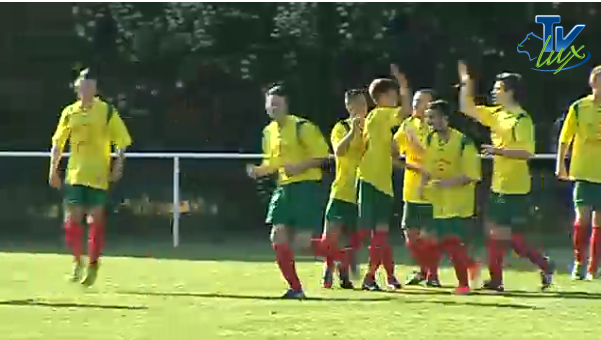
(353,93)
(277,90)
(381,86)
(513,82)
(440,106)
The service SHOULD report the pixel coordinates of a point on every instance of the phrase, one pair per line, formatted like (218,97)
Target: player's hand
(251,171)
(54,179)
(399,76)
(293,169)
(356,125)
(562,173)
(490,150)
(462,71)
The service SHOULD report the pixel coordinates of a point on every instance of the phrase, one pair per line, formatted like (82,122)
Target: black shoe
(393,283)
(346,284)
(292,294)
(415,279)
(433,283)
(546,277)
(493,286)
(370,285)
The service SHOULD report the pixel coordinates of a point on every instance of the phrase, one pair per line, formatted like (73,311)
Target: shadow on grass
(571,295)
(252,297)
(475,304)
(34,303)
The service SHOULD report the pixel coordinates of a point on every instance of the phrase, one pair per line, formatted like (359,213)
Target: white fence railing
(175,156)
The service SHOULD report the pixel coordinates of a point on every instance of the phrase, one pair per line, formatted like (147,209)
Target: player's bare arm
(55,158)
(258,171)
(118,164)
(466,92)
(404,91)
(453,182)
(506,152)
(341,148)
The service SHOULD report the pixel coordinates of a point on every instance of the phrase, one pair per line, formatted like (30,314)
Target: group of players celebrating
(442,167)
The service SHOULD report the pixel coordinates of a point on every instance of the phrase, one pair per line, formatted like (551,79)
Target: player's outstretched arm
(568,131)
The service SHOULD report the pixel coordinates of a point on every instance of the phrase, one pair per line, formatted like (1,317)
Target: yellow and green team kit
(90,133)
(342,206)
(508,203)
(453,158)
(375,167)
(417,211)
(298,199)
(582,126)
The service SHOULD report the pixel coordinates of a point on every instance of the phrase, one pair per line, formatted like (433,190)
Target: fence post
(176,202)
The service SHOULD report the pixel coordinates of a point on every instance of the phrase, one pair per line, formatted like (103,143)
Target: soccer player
(91,125)
(583,126)
(342,212)
(512,134)
(417,210)
(294,148)
(375,179)
(452,170)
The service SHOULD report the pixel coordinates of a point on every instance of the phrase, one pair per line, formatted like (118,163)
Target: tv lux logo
(562,44)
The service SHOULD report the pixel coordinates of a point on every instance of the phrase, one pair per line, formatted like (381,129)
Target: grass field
(232,293)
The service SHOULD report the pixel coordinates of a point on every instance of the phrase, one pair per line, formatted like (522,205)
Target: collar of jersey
(79,103)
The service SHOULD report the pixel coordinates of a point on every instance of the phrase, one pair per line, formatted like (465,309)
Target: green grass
(227,297)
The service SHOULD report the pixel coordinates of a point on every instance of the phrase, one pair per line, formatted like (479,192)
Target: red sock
(432,255)
(285,260)
(579,242)
(496,254)
(74,237)
(595,250)
(458,254)
(375,255)
(387,254)
(521,248)
(95,241)
(417,251)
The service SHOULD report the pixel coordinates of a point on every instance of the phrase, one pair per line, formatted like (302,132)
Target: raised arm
(404,92)
(484,115)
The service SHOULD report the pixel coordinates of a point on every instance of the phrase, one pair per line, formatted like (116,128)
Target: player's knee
(96,215)
(583,216)
(597,219)
(498,232)
(332,230)
(74,213)
(411,235)
(278,235)
(382,227)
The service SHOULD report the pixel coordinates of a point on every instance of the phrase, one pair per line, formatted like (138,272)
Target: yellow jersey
(454,158)
(513,130)
(90,133)
(375,167)
(297,140)
(412,179)
(583,126)
(344,186)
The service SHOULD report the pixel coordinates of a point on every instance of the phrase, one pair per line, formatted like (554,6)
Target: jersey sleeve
(337,134)
(524,134)
(118,132)
(568,129)
(314,141)
(471,163)
(486,115)
(62,132)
